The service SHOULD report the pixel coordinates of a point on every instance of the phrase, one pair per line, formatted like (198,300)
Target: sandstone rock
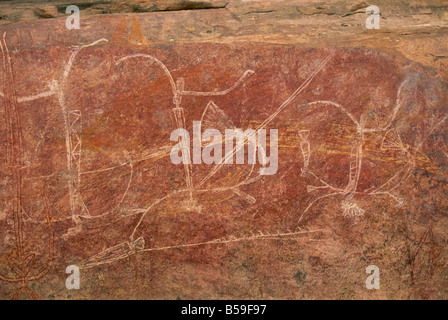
(87,115)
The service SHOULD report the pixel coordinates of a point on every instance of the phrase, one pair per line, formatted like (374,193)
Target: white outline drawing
(23,260)
(132,246)
(391,141)
(73,128)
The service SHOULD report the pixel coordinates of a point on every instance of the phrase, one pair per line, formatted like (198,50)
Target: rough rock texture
(86,176)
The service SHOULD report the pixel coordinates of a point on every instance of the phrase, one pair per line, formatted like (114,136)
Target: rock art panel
(87,178)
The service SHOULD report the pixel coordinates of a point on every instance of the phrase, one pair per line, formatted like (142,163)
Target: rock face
(88,178)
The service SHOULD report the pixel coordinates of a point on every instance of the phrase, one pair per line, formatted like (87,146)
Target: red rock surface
(86,177)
